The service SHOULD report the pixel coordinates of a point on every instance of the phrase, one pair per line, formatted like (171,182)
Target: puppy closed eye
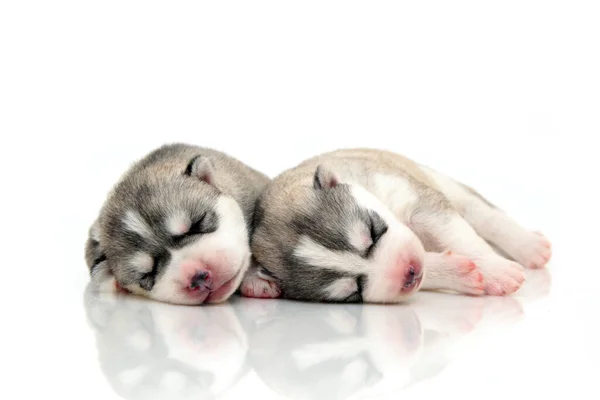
(377,228)
(147,280)
(353,298)
(207,223)
(356,297)
(347,290)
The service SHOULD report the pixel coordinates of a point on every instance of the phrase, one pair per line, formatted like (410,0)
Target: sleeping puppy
(176,227)
(365,225)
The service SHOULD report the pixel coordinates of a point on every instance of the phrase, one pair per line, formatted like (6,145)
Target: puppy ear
(101,273)
(94,232)
(93,249)
(325,178)
(202,168)
(95,258)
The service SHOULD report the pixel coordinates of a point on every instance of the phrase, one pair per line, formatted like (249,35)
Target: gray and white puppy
(371,225)
(176,227)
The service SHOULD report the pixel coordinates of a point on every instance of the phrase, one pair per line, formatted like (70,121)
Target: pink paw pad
(501,277)
(468,278)
(466,266)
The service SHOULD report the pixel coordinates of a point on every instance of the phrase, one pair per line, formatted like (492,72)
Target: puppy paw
(465,276)
(255,286)
(451,271)
(535,251)
(500,276)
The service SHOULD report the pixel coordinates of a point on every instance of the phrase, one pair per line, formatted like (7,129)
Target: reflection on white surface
(150,350)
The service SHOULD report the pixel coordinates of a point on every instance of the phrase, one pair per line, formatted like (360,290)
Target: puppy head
(171,237)
(338,243)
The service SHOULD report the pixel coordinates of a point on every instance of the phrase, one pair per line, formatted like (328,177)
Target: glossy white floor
(80,343)
(540,342)
(67,340)
(530,344)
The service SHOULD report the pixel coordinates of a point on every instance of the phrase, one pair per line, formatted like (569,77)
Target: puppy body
(371,225)
(176,226)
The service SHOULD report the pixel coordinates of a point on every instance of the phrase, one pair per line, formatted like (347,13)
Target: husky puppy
(370,225)
(176,227)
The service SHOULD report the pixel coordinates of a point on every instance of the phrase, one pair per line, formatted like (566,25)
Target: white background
(503,95)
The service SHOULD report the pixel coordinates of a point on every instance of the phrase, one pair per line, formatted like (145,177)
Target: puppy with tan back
(365,225)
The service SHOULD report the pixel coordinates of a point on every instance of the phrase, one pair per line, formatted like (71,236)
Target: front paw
(257,287)
(467,278)
(500,276)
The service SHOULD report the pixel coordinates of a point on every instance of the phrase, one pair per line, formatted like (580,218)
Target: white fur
(135,223)
(396,247)
(460,236)
(501,276)
(319,256)
(95,231)
(178,223)
(369,201)
(452,190)
(526,247)
(102,279)
(342,288)
(230,240)
(399,240)
(451,271)
(142,262)
(396,193)
(359,236)
(399,244)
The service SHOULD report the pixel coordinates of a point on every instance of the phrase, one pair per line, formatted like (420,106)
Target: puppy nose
(410,277)
(413,273)
(201,280)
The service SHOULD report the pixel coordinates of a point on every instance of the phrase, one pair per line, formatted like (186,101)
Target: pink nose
(202,280)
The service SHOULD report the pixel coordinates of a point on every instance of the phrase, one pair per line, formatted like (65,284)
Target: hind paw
(535,251)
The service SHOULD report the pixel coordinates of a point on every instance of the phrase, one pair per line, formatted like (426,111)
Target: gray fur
(166,179)
(95,256)
(297,203)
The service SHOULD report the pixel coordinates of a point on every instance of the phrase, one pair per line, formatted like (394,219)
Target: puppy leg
(259,285)
(451,271)
(530,249)
(451,232)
